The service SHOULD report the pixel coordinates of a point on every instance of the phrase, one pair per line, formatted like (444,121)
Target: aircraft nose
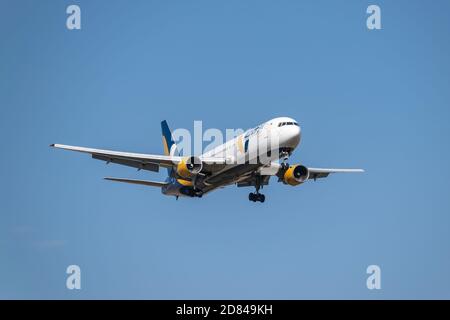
(292,136)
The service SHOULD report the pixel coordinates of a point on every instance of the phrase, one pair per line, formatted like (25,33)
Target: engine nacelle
(189,167)
(296,175)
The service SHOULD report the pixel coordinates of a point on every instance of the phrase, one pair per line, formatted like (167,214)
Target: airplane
(195,176)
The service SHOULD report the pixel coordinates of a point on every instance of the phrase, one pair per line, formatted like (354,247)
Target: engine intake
(296,175)
(189,167)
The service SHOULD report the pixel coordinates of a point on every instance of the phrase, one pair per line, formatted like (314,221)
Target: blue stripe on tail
(168,142)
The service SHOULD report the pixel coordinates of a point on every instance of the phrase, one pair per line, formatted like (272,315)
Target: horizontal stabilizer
(141,182)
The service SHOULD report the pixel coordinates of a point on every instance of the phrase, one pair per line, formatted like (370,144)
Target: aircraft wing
(141,182)
(251,181)
(142,161)
(315,173)
(274,170)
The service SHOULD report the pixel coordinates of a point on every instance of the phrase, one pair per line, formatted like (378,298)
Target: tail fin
(170,148)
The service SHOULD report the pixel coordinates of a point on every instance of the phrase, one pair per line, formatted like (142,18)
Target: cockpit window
(281,124)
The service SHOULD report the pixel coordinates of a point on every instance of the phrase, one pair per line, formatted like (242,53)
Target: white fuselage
(255,149)
(279,133)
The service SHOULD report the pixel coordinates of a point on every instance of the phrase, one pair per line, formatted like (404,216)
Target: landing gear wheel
(199,193)
(256,197)
(262,198)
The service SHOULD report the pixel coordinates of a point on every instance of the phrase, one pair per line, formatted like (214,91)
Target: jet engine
(296,175)
(189,167)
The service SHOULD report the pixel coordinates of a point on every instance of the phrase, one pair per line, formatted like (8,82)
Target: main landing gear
(257,196)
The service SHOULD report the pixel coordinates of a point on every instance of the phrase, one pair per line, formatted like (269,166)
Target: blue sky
(372,99)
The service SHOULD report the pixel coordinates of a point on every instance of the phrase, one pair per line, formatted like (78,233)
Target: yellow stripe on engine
(185,183)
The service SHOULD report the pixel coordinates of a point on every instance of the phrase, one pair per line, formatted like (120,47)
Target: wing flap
(251,182)
(142,165)
(110,155)
(148,162)
(140,182)
(315,173)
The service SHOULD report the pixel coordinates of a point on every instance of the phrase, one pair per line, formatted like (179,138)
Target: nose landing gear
(284,155)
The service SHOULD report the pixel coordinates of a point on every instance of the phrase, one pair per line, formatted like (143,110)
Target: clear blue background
(372,99)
